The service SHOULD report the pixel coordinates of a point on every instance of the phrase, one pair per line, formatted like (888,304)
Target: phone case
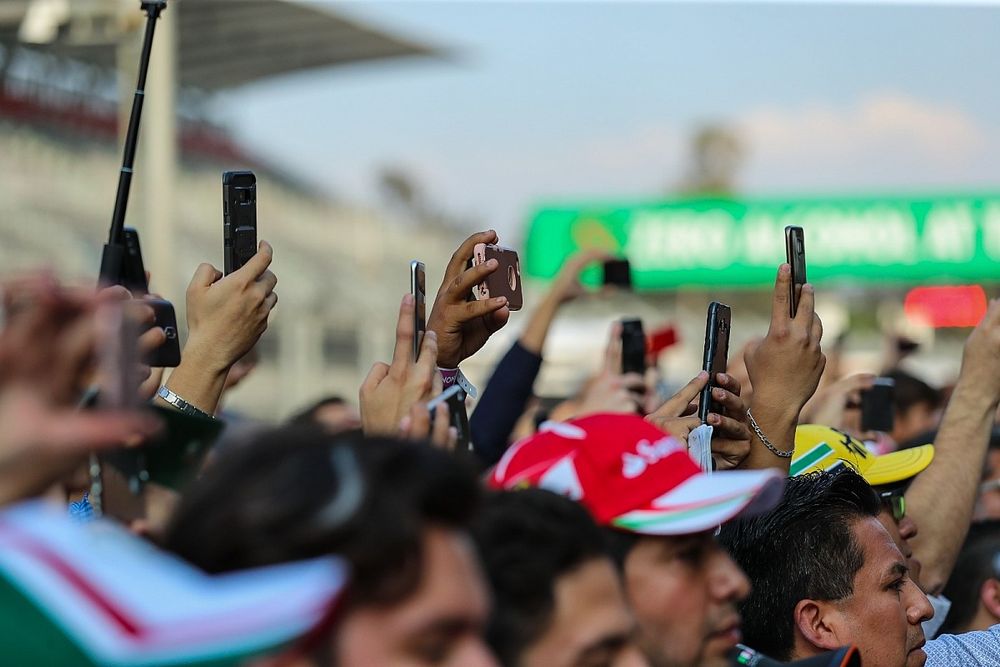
(418,287)
(716,355)
(167,355)
(633,347)
(239,213)
(795,254)
(505,281)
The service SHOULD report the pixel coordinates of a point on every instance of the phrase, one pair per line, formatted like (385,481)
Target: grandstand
(59,157)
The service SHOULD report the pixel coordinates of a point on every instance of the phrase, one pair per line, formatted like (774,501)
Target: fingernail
(453,433)
(807,287)
(719,393)
(723,377)
(713,419)
(407,299)
(404,423)
(501,300)
(492,263)
(703,374)
(784,269)
(431,335)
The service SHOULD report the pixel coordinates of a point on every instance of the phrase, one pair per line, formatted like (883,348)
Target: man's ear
(989,596)
(816,624)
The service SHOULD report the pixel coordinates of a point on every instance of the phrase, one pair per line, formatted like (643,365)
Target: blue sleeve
(970,649)
(502,403)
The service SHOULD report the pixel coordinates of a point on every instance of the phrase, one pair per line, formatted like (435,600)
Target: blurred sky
(562,101)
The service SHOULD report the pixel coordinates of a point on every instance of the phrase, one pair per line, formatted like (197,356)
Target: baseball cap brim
(898,466)
(703,502)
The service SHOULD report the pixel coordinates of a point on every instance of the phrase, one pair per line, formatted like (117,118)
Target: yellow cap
(824,448)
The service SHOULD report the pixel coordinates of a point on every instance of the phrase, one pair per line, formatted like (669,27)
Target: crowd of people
(570,533)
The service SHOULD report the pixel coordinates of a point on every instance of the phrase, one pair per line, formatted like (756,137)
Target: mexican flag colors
(94,594)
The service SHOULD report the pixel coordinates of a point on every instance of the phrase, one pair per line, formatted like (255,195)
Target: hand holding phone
(716,355)
(795,254)
(239,218)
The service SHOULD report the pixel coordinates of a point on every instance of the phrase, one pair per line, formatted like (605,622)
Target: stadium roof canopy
(226,43)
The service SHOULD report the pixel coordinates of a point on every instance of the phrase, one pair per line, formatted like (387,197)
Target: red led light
(946,306)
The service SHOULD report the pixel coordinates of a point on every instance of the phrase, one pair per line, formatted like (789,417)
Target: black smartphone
(460,420)
(795,254)
(418,288)
(877,412)
(133,268)
(716,356)
(239,218)
(618,273)
(167,355)
(633,347)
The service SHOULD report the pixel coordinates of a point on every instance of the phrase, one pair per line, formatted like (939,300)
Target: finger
(679,427)
(613,353)
(458,261)
(466,280)
(779,301)
(729,383)
(268,280)
(807,304)
(205,275)
(633,382)
(427,361)
(420,421)
(151,340)
(732,404)
(816,334)
(474,309)
(83,431)
(403,352)
(727,427)
(378,372)
(680,402)
(440,433)
(113,293)
(270,301)
(140,312)
(256,265)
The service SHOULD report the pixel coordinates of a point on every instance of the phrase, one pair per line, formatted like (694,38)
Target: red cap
(633,476)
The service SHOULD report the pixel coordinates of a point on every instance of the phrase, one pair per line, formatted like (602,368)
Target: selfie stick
(114,250)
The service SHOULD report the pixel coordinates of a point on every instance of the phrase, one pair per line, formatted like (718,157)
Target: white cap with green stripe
(94,594)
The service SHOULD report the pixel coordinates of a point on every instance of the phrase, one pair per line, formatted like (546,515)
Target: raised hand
(462,326)
(390,391)
(611,391)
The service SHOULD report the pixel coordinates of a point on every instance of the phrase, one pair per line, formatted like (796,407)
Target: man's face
(918,419)
(440,624)
(683,591)
(988,503)
(883,615)
(901,533)
(591,625)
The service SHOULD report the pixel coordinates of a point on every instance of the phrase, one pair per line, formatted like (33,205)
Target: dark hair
(974,567)
(910,391)
(527,540)
(308,414)
(271,503)
(802,549)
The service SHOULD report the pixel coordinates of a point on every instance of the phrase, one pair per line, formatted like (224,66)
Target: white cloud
(883,139)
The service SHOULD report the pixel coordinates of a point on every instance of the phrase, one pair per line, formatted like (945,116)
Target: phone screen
(795,254)
(716,355)
(418,287)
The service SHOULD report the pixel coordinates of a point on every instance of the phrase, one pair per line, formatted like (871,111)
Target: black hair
(802,549)
(270,502)
(911,390)
(974,567)
(527,540)
(307,415)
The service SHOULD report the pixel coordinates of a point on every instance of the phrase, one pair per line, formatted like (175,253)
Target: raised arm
(942,497)
(784,370)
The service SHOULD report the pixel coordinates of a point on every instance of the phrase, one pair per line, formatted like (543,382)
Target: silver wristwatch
(181,405)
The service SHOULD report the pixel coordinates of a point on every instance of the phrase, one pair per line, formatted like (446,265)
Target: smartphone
(618,273)
(133,268)
(877,412)
(418,288)
(795,253)
(633,347)
(239,218)
(460,420)
(505,281)
(716,356)
(133,276)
